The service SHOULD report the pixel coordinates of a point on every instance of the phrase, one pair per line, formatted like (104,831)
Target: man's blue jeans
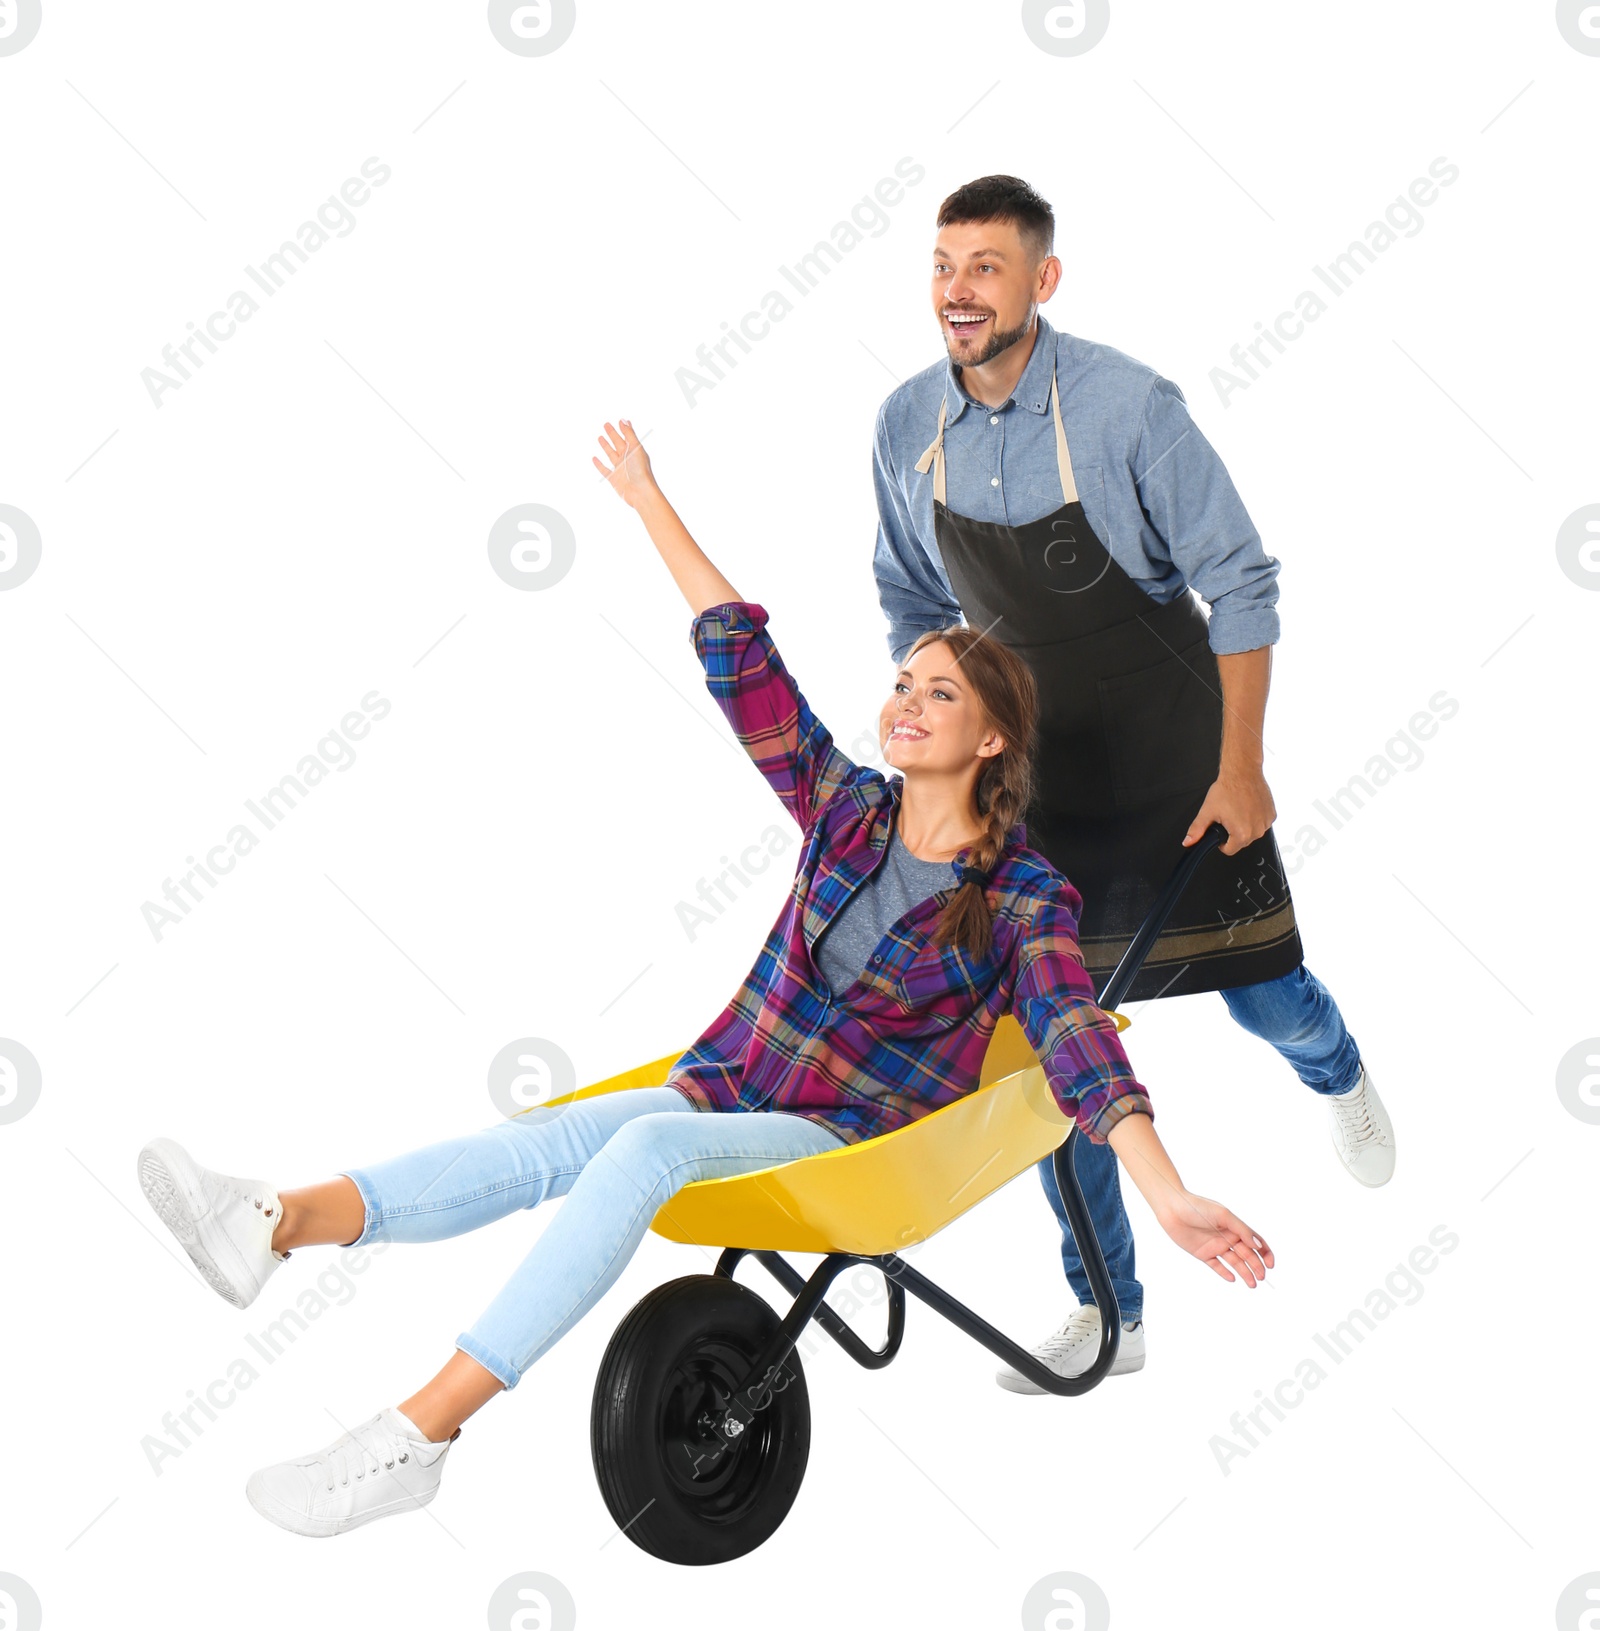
(1301,1020)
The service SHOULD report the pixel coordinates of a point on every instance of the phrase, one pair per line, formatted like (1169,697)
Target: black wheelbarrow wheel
(675,1485)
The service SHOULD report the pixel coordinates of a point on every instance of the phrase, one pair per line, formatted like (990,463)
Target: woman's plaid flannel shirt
(910,1035)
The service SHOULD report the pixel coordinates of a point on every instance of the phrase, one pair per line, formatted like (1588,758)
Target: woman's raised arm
(745,675)
(633,481)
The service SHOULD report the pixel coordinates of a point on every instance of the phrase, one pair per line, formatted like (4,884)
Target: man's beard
(998,342)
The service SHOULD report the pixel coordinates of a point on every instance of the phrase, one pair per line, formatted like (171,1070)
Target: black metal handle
(1092,1258)
(1072,1201)
(1149,931)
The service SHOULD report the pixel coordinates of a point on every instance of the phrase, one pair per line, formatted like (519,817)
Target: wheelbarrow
(700,1424)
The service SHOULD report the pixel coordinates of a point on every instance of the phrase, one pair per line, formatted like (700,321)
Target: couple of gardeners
(1063,719)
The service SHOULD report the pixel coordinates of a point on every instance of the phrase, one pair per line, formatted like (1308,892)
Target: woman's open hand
(1208,1230)
(629,473)
(701,584)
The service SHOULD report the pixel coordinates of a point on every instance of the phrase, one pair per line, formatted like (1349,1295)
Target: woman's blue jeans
(617,1157)
(1301,1020)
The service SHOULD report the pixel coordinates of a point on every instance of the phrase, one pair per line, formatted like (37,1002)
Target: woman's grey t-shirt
(900,882)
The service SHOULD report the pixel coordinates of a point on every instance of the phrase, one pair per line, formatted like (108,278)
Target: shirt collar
(1032,390)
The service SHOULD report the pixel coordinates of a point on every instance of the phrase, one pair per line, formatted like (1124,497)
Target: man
(1055,493)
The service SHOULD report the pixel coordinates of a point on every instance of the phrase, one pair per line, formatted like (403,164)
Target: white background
(224,576)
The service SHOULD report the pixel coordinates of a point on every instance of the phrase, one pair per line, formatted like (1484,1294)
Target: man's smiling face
(985,284)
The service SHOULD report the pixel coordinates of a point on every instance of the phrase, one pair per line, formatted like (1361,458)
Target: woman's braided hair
(1009,697)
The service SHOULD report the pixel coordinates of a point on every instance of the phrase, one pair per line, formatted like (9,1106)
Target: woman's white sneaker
(1071,1350)
(1363,1138)
(381,1467)
(225,1224)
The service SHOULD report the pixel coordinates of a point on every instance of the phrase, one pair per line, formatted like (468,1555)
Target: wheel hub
(703,1439)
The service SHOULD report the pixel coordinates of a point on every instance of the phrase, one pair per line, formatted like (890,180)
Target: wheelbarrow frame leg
(756,1388)
(829,1319)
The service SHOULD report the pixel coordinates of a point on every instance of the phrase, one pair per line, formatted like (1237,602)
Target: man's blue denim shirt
(1153,488)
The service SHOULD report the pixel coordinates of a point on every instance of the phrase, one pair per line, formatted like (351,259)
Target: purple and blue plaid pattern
(910,1035)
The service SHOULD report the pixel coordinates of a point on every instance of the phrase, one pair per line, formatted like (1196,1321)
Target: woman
(917,918)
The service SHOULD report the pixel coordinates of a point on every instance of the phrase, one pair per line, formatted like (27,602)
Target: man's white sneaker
(1363,1139)
(225,1224)
(383,1466)
(1071,1350)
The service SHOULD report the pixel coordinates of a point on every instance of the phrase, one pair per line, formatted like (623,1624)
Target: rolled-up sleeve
(748,681)
(1190,499)
(898,560)
(1075,1039)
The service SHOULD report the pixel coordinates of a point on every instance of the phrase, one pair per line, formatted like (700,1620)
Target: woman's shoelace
(354,1453)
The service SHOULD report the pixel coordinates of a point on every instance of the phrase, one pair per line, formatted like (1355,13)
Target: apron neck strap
(934,453)
(1069,488)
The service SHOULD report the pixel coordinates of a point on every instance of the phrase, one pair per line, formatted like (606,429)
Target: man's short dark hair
(1004,198)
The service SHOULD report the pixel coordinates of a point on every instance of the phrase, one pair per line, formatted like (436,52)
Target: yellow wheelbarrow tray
(700,1423)
(886,1193)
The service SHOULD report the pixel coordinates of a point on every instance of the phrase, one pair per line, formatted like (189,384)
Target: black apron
(1130,739)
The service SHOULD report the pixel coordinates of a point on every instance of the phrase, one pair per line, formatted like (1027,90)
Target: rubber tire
(709,1322)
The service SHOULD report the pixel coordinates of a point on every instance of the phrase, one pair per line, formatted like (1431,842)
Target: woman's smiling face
(932,720)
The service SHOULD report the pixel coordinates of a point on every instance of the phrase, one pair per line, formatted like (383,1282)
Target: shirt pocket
(937,983)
